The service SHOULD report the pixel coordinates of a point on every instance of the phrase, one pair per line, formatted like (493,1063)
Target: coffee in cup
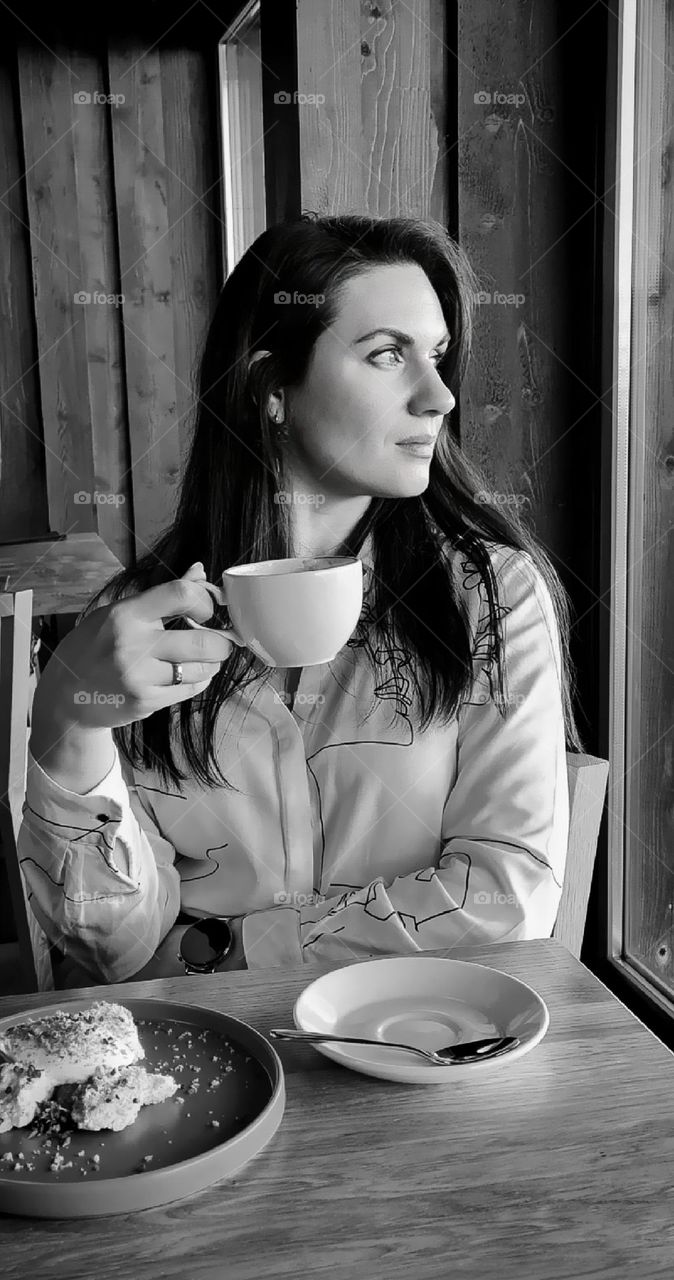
(296,612)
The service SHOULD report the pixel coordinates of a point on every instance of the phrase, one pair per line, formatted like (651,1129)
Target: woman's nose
(431,394)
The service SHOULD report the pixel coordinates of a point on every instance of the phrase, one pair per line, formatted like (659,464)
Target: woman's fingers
(193,672)
(191,646)
(196,572)
(193,679)
(125,659)
(176,599)
(201,654)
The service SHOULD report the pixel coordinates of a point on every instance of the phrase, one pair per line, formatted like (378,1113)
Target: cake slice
(70,1047)
(113,1099)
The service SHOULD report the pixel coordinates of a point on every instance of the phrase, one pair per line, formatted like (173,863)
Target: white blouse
(350,832)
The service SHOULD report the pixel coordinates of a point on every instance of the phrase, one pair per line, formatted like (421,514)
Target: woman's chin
(406,489)
(410,486)
(398,485)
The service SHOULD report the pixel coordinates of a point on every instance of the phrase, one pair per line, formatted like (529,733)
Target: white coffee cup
(297,612)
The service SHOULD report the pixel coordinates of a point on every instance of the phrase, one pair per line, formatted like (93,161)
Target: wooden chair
(16,687)
(588,777)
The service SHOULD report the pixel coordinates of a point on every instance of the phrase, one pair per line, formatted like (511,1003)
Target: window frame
(239,185)
(633,91)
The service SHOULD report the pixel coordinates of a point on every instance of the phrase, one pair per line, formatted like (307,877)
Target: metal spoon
(471,1051)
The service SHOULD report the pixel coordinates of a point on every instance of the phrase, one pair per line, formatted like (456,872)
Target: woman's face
(366,390)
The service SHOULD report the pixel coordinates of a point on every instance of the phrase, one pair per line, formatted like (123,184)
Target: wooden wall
(530,215)
(111,214)
(125,200)
(23,488)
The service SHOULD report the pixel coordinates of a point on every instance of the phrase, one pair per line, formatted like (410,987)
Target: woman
(410,795)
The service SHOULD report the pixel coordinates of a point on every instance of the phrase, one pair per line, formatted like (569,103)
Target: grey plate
(189,1151)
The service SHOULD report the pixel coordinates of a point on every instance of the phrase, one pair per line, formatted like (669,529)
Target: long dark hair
(227,513)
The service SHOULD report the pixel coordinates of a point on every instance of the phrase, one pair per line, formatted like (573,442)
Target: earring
(278,418)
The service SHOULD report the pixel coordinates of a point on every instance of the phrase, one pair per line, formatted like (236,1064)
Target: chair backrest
(15,690)
(588,777)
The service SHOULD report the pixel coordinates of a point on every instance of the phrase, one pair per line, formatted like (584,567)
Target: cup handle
(234,636)
(229,634)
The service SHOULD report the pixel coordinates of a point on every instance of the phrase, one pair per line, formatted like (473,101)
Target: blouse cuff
(59,807)
(271,938)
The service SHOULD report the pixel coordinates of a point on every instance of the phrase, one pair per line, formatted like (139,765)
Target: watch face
(205,944)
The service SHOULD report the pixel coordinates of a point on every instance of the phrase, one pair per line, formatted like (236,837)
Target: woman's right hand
(115,666)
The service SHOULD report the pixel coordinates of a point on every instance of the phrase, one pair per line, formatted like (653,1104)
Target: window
(242,134)
(641,698)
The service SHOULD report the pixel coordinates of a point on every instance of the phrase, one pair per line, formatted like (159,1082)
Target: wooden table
(63,575)
(558,1166)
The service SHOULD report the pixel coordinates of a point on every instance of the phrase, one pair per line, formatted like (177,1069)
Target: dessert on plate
(96,1051)
(69,1047)
(22,1089)
(113,1099)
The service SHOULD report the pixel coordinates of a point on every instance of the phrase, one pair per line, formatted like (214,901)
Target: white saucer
(423,1001)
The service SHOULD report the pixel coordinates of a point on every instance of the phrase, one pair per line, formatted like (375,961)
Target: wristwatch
(205,944)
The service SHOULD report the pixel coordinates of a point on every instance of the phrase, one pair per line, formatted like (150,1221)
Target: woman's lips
(418,450)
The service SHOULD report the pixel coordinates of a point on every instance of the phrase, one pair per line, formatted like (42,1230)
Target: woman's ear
(257,355)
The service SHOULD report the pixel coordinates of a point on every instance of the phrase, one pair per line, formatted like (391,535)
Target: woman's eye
(390,351)
(396,351)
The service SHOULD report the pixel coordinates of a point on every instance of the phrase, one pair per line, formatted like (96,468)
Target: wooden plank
(74,255)
(63,576)
(372,144)
(165,190)
(148,277)
(442,71)
(112,497)
(400,144)
(503,215)
(23,484)
(530,185)
(333,172)
(649,747)
(514,174)
(48,127)
(193,196)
